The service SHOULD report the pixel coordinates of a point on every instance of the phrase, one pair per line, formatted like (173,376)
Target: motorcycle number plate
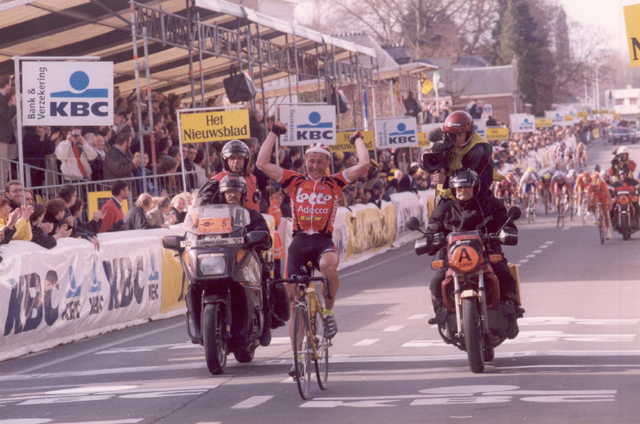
(213,225)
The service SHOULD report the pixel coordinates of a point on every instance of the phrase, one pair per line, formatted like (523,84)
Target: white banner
(396,132)
(73,289)
(557,117)
(67,93)
(480,126)
(522,123)
(308,124)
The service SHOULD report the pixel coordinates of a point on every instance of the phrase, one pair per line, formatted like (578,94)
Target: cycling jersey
(314,203)
(582,184)
(599,189)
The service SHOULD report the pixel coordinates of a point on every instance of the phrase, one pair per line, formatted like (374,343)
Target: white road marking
(523,261)
(424,343)
(366,342)
(251,402)
(419,316)
(394,328)
(549,242)
(537,251)
(544,246)
(530,256)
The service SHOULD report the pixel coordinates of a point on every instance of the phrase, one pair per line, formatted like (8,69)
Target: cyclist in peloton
(314,201)
(528,184)
(599,192)
(561,184)
(582,183)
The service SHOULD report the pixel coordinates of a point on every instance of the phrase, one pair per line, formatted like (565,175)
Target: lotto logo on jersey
(313,198)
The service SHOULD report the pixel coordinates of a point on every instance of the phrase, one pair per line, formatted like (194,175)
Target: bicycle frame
(307,299)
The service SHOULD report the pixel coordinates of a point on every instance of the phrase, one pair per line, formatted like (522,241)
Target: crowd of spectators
(120,152)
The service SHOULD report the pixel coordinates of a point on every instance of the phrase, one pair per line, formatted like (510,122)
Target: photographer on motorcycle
(626,182)
(621,161)
(464,148)
(470,211)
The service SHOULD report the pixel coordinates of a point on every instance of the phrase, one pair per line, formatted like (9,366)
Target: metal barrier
(152,184)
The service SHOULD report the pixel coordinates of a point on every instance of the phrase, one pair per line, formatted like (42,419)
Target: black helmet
(464,177)
(235,147)
(233,182)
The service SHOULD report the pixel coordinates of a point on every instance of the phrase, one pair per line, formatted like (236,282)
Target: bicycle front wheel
(601,229)
(322,350)
(302,351)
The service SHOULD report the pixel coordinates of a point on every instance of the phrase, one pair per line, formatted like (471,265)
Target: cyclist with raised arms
(314,203)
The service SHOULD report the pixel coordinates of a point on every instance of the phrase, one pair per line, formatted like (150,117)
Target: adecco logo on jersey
(308,125)
(67,93)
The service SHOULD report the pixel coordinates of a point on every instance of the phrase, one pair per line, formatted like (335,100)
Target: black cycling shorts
(305,248)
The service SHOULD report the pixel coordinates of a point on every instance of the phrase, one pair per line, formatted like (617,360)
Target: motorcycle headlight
(212,264)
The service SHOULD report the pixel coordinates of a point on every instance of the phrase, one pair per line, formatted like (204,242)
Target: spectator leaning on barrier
(23,229)
(40,236)
(8,221)
(118,162)
(114,216)
(178,211)
(136,218)
(14,192)
(158,215)
(38,142)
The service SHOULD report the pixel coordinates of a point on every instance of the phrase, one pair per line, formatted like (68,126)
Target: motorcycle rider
(621,161)
(466,212)
(232,190)
(469,151)
(236,157)
(625,182)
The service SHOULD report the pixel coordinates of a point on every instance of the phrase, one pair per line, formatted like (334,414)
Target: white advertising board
(67,93)
(308,124)
(396,132)
(522,123)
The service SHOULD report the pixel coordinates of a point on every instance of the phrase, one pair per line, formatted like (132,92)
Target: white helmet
(622,149)
(572,173)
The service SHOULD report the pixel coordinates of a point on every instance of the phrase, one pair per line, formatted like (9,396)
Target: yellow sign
(544,122)
(568,117)
(632,22)
(423,141)
(219,125)
(596,133)
(497,133)
(582,114)
(97,199)
(343,145)
(616,116)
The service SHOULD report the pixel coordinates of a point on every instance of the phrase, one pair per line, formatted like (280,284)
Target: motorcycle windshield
(216,220)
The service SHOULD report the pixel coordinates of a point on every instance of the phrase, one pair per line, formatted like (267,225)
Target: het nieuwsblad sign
(200,127)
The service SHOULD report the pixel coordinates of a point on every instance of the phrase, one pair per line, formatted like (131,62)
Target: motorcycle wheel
(473,335)
(246,355)
(624,226)
(215,346)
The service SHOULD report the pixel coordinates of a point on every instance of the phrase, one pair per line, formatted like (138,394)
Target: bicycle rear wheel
(322,348)
(302,351)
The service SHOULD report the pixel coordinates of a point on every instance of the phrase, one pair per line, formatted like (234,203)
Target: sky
(606,14)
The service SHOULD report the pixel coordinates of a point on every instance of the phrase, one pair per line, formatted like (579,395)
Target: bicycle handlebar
(305,279)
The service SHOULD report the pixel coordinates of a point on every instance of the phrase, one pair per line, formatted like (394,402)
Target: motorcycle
(473,318)
(225,306)
(624,219)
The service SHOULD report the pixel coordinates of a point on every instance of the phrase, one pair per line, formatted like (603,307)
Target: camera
(437,159)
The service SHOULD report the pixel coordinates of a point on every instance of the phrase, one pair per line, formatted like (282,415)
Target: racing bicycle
(584,209)
(309,342)
(531,209)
